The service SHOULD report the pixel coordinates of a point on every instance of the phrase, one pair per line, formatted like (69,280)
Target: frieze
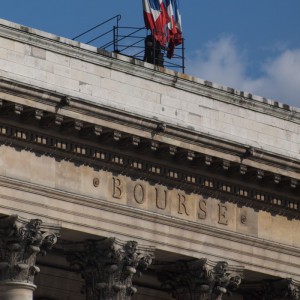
(173,202)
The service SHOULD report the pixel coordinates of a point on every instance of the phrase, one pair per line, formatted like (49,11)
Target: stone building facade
(124,180)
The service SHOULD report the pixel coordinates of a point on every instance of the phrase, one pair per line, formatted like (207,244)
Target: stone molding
(200,280)
(21,240)
(55,105)
(108,266)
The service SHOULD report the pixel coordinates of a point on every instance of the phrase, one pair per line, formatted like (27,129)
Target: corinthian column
(276,289)
(200,280)
(108,266)
(21,241)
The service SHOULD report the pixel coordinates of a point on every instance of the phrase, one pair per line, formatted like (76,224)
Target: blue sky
(249,45)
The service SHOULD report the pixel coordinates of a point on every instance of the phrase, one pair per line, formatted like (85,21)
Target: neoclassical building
(123,180)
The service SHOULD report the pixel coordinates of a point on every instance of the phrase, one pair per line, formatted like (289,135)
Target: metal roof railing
(131,41)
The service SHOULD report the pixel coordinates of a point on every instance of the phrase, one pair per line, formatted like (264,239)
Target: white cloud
(221,61)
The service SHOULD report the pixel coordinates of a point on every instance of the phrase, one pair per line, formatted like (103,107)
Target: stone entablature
(260,242)
(182,159)
(142,151)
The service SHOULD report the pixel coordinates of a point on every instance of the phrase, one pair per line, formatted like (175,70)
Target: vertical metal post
(154,47)
(117,39)
(115,43)
(183,65)
(117,34)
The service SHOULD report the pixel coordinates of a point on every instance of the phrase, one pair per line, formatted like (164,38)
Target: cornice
(64,105)
(147,71)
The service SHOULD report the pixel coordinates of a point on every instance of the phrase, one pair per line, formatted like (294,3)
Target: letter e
(223,214)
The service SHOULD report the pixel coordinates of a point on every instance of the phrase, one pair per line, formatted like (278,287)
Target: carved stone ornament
(200,280)
(108,267)
(293,289)
(21,241)
(278,289)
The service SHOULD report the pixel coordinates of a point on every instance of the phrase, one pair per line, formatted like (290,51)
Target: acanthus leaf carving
(20,242)
(200,280)
(276,289)
(293,289)
(108,266)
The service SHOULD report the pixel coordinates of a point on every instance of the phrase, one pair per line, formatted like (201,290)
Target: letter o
(138,194)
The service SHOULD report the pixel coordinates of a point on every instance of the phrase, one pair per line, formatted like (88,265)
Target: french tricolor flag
(174,26)
(156,18)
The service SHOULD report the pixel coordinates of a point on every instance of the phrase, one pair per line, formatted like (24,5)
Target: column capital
(293,289)
(200,279)
(272,289)
(108,266)
(21,240)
